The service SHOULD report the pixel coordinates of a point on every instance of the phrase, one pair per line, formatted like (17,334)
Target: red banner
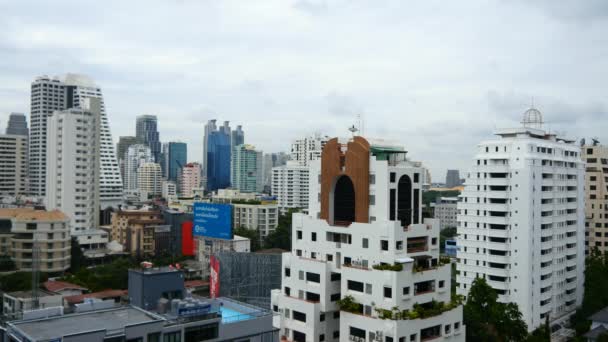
(187,240)
(214,277)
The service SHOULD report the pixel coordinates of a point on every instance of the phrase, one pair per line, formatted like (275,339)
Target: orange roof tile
(29,214)
(55,286)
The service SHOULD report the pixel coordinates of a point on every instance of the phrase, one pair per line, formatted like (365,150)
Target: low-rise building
(15,304)
(46,231)
(206,247)
(261,217)
(599,325)
(446,211)
(169,191)
(64,288)
(135,229)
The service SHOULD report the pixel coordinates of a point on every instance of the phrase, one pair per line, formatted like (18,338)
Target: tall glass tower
(146,128)
(175,156)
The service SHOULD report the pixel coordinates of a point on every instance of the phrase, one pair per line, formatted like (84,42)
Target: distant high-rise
(17,124)
(247,171)
(452,179)
(123,145)
(596,197)
(51,94)
(216,158)
(175,156)
(190,179)
(149,179)
(73,160)
(147,134)
(308,149)
(237,136)
(272,160)
(13,165)
(136,156)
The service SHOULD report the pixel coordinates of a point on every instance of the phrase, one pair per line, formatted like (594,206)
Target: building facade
(308,148)
(149,180)
(175,156)
(237,136)
(51,94)
(261,217)
(452,179)
(190,179)
(290,186)
(246,169)
(123,145)
(596,197)
(13,165)
(73,164)
(521,221)
(363,265)
(216,156)
(169,190)
(446,211)
(31,231)
(272,160)
(134,229)
(136,156)
(146,132)
(17,125)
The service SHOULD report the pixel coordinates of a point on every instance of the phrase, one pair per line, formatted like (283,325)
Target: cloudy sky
(437,76)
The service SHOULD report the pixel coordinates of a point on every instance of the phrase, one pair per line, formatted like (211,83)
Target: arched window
(404,200)
(344,201)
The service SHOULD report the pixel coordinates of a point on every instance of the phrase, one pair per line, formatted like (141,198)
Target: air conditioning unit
(351,338)
(379,336)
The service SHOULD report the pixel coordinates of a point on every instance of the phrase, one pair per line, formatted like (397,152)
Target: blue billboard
(212,220)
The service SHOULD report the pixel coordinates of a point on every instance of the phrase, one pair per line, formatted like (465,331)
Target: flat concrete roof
(54,327)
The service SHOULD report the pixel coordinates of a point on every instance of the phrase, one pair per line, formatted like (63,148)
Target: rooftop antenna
(353,130)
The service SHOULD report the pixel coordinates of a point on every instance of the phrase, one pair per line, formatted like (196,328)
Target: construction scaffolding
(249,277)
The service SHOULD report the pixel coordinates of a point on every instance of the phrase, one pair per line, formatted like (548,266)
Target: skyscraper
(272,160)
(596,194)
(17,125)
(149,180)
(73,160)
(362,257)
(175,156)
(452,179)
(123,145)
(147,134)
(136,156)
(237,136)
(13,165)
(521,221)
(49,95)
(246,169)
(216,159)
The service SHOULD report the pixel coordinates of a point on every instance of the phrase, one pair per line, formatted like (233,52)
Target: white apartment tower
(73,164)
(149,179)
(13,165)
(51,94)
(290,185)
(521,221)
(308,149)
(363,266)
(136,156)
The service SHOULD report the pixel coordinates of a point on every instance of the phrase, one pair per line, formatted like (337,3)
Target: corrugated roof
(55,286)
(31,214)
(99,295)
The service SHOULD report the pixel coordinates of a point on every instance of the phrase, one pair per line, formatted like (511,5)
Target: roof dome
(532,118)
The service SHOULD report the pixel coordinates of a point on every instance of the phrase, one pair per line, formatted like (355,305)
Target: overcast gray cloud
(437,76)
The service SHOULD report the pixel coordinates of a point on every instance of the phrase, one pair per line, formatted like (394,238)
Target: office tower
(596,197)
(13,165)
(175,156)
(121,149)
(17,125)
(290,186)
(272,160)
(452,179)
(237,136)
(136,156)
(362,256)
(147,134)
(73,163)
(246,169)
(216,159)
(51,94)
(190,179)
(521,221)
(308,148)
(149,180)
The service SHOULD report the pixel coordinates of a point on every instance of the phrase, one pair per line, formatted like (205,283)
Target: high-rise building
(121,149)
(73,163)
(446,211)
(237,136)
(272,160)
(216,158)
(452,179)
(13,165)
(521,221)
(246,169)
(149,180)
(147,134)
(190,179)
(51,94)
(17,125)
(136,156)
(363,244)
(596,197)
(169,190)
(175,156)
(308,149)
(290,185)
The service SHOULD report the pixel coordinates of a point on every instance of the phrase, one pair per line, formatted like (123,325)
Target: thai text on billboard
(213,220)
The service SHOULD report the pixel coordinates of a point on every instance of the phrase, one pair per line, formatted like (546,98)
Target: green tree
(429,197)
(110,276)
(251,234)
(6,263)
(77,258)
(446,234)
(281,237)
(488,320)
(541,334)
(18,281)
(595,295)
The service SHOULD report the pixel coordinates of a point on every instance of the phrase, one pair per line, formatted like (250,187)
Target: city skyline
(452,87)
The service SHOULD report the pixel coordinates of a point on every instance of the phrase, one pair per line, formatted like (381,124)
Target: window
(406,290)
(287,272)
(388,292)
(416,177)
(384,245)
(393,177)
(201,333)
(413,337)
(334,297)
(313,277)
(365,243)
(275,308)
(175,336)
(447,329)
(441,283)
(336,314)
(299,252)
(335,277)
(388,339)
(299,316)
(287,291)
(154,337)
(330,257)
(322,337)
(322,317)
(337,334)
(355,286)
(313,236)
(299,234)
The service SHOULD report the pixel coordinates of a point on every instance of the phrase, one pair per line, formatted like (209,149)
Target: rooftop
(56,285)
(28,294)
(105,294)
(600,316)
(112,321)
(31,214)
